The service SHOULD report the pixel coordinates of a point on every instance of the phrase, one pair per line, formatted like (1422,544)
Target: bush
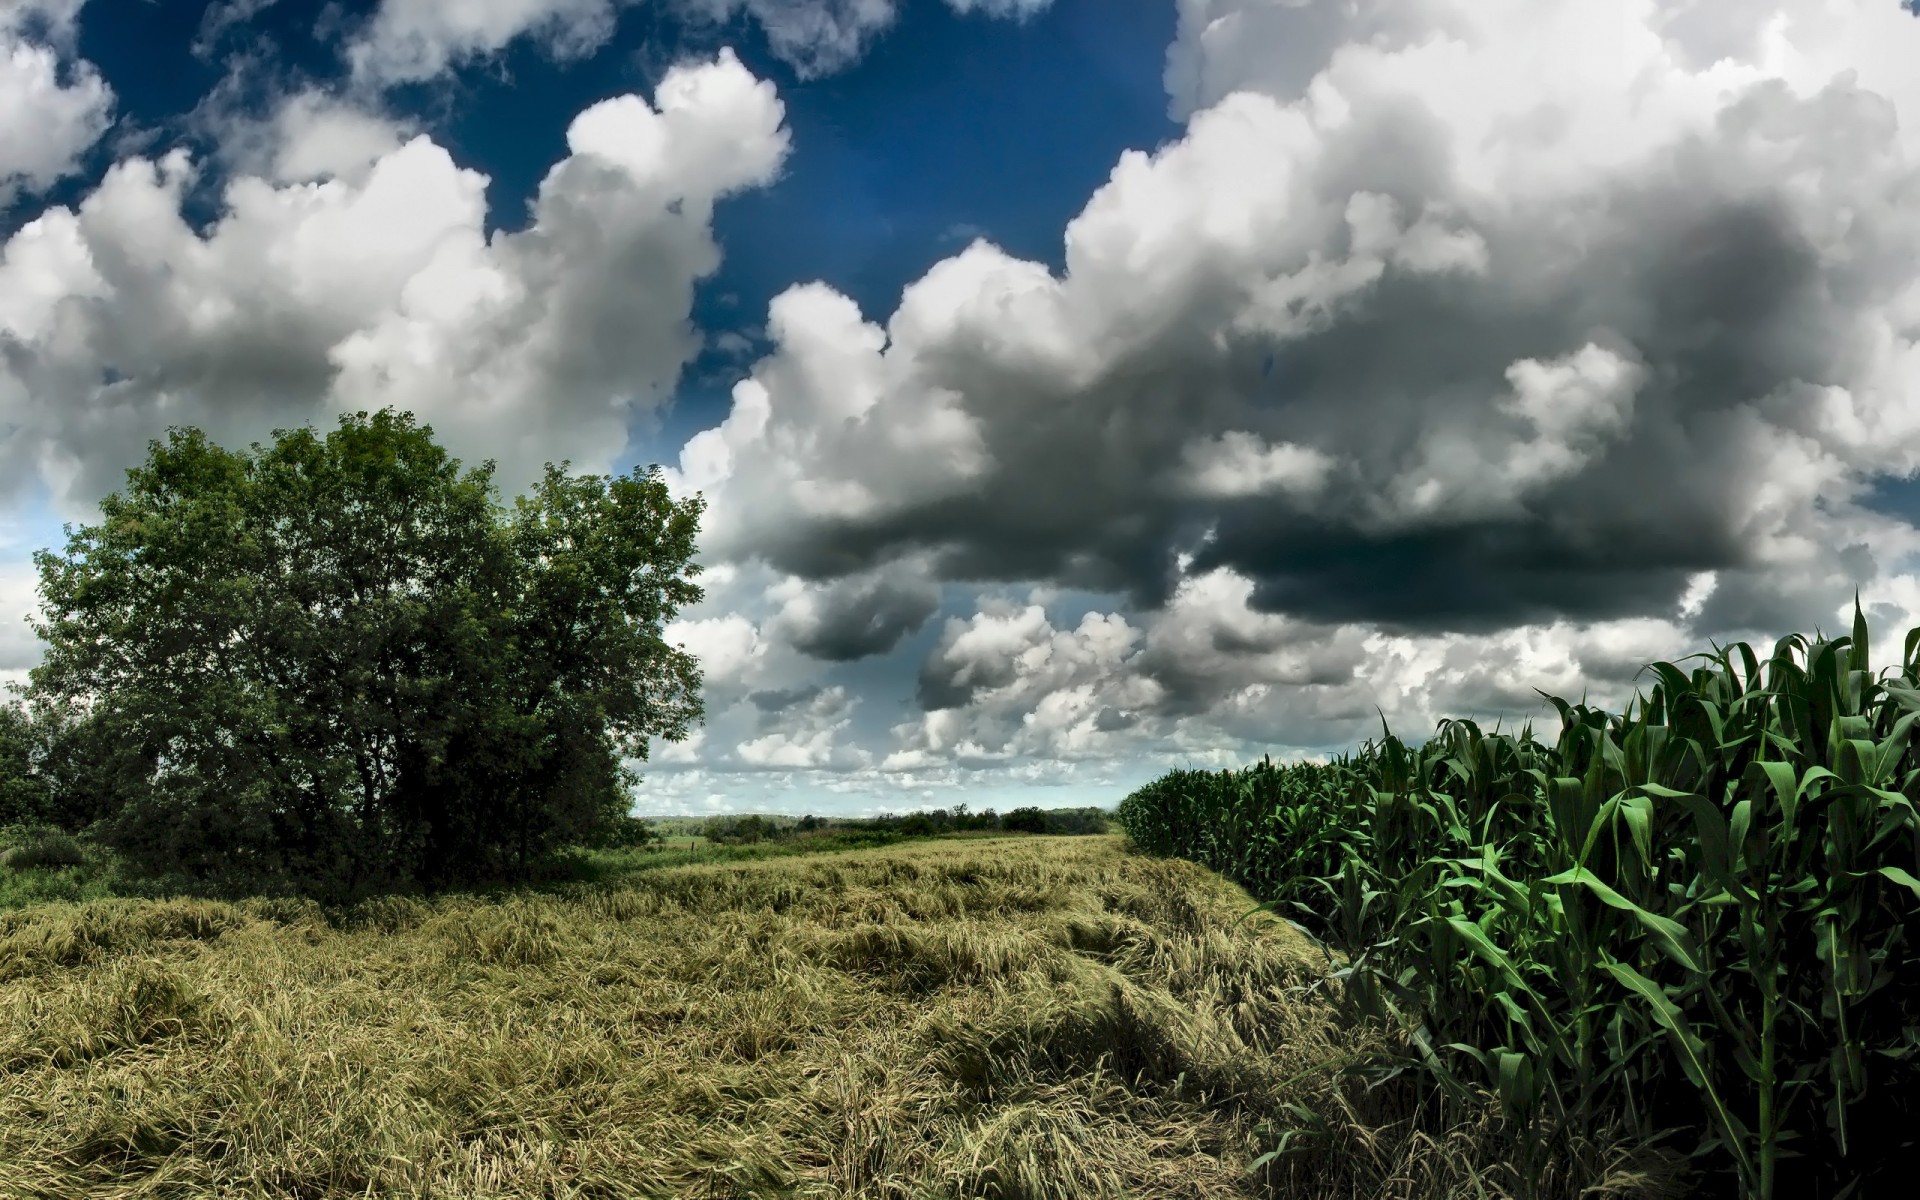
(1076,820)
(628,833)
(41,848)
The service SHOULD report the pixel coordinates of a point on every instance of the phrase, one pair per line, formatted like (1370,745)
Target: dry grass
(1035,1017)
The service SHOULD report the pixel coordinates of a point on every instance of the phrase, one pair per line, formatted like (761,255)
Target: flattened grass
(1018,1017)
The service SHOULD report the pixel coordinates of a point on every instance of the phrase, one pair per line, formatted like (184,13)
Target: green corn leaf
(1671,936)
(1637,811)
(1715,851)
(1516,1082)
(1902,878)
(1662,791)
(1476,938)
(1690,1050)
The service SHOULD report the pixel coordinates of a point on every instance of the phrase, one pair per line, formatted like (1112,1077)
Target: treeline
(337,664)
(1701,914)
(758,828)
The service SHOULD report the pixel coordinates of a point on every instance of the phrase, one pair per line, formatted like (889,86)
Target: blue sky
(1080,388)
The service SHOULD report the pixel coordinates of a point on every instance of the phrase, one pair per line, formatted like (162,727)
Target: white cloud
(806,740)
(379,286)
(1237,464)
(46,125)
(407,41)
(783,466)
(222,16)
(411,40)
(1589,321)
(820,37)
(1542,196)
(57,21)
(1572,405)
(1020,9)
(815,37)
(1459,348)
(311,135)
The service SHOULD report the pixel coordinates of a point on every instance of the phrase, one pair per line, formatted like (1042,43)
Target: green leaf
(1672,937)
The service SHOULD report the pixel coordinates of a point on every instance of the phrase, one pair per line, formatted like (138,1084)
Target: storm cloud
(1429,366)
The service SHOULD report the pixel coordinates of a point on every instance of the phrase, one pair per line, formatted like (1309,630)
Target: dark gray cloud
(853,618)
(773,701)
(1696,268)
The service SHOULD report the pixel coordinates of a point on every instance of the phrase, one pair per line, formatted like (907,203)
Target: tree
(1024,820)
(57,767)
(23,790)
(336,663)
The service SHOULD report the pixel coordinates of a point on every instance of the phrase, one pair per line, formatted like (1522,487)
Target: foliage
(23,791)
(334,664)
(628,833)
(29,847)
(1700,913)
(1024,820)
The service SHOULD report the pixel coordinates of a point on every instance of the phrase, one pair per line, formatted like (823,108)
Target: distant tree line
(336,664)
(757,828)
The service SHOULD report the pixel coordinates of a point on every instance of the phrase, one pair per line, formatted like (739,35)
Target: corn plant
(1698,914)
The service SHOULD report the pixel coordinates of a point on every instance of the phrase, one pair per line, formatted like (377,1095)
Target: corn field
(1699,914)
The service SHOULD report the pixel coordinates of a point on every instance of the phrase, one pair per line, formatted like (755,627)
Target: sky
(1079,389)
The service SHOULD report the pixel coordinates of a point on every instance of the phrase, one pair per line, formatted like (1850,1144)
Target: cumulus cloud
(803,733)
(53,106)
(820,37)
(855,616)
(1639,305)
(814,37)
(377,285)
(306,135)
(1208,676)
(1458,348)
(223,17)
(407,41)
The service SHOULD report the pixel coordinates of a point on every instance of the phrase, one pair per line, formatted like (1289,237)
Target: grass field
(994,1017)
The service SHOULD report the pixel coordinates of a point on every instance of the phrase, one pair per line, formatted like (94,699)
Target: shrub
(628,833)
(42,848)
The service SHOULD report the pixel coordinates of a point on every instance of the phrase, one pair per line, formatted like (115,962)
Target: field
(1006,1017)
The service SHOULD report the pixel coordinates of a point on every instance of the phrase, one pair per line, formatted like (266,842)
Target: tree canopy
(337,663)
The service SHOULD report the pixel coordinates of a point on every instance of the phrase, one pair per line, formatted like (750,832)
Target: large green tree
(338,663)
